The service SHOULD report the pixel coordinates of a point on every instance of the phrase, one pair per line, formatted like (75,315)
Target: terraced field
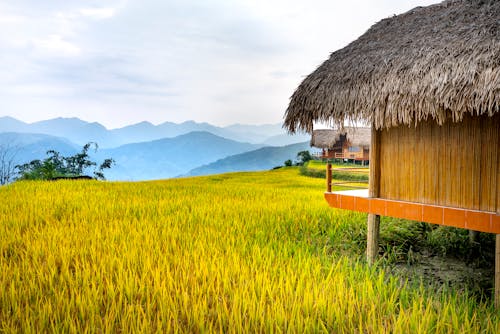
(241,252)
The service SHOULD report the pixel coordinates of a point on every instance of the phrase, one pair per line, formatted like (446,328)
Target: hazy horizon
(139,122)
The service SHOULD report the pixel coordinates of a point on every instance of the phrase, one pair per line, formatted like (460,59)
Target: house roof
(438,62)
(327,138)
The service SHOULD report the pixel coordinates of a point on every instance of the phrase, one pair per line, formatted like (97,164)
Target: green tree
(303,157)
(288,163)
(56,165)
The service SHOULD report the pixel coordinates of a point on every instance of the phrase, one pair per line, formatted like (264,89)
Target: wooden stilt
(497,272)
(372,238)
(373,220)
(328,177)
(497,245)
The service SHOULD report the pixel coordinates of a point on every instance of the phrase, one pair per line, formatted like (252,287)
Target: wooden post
(497,245)
(372,237)
(329,177)
(497,272)
(373,231)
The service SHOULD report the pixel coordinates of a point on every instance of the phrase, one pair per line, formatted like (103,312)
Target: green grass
(316,168)
(240,252)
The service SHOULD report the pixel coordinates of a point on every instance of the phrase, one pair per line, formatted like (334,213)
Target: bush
(57,166)
(303,157)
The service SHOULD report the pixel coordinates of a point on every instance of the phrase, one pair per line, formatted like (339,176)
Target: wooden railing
(342,155)
(346,184)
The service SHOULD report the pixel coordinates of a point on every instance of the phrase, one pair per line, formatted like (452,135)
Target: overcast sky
(120,62)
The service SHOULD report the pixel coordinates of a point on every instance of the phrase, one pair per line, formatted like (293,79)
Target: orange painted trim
(482,221)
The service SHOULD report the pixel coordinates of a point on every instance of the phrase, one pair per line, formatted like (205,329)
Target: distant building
(351,144)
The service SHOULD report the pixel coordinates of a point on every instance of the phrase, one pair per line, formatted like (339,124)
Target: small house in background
(349,144)
(428,82)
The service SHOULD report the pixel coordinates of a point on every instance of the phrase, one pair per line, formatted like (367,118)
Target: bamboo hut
(428,83)
(348,143)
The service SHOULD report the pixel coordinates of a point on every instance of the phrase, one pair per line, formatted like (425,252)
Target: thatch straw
(329,138)
(438,62)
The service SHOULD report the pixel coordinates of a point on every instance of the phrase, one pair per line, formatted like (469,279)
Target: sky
(119,62)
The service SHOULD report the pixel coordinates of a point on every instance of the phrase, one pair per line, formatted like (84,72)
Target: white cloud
(56,45)
(98,13)
(10,19)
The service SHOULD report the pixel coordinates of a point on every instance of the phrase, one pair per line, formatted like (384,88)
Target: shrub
(58,166)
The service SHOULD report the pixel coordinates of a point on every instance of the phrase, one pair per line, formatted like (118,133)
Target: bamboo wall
(456,164)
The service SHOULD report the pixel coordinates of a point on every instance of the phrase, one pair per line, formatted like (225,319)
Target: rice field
(240,252)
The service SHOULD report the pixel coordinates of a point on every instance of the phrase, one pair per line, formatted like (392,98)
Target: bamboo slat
(455,164)
(498,176)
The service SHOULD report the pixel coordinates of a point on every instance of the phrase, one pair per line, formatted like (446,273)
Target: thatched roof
(328,138)
(438,62)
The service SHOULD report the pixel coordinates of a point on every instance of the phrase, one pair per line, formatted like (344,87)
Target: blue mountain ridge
(81,132)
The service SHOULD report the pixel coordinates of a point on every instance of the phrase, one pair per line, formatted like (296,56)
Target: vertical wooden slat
(495,161)
(497,185)
(472,159)
(422,168)
(383,182)
(497,244)
(373,220)
(485,164)
(489,182)
(423,135)
(434,165)
(478,130)
(441,177)
(452,173)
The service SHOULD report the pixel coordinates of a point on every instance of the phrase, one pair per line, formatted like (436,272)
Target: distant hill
(145,131)
(73,129)
(10,124)
(285,139)
(169,157)
(81,132)
(260,159)
(28,147)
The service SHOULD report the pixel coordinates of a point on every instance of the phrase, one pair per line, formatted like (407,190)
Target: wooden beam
(373,229)
(497,245)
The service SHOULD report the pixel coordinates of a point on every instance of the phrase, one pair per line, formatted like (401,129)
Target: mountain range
(80,132)
(188,152)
